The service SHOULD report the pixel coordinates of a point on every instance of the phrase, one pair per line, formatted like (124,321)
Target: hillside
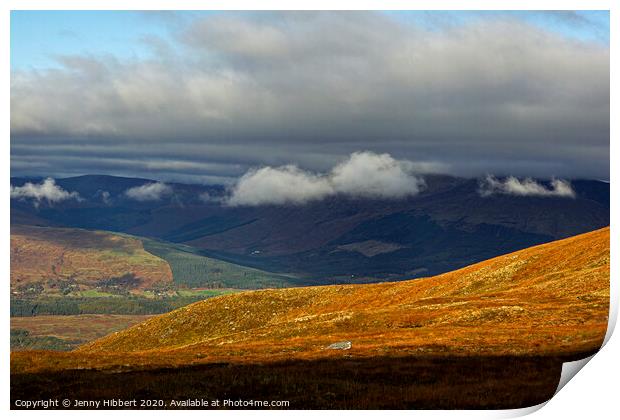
(492,335)
(70,260)
(549,299)
(64,260)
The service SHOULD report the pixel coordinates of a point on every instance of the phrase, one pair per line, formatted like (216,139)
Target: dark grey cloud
(242,90)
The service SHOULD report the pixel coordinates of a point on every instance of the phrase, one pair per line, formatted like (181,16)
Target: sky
(209,97)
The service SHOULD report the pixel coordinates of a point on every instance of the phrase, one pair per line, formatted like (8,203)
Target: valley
(180,298)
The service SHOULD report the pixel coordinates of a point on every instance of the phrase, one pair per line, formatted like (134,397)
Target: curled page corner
(570,369)
(520,412)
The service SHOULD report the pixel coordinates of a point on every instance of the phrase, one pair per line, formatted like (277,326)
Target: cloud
(526,187)
(105,197)
(488,95)
(363,174)
(47,191)
(205,197)
(367,174)
(149,192)
(282,185)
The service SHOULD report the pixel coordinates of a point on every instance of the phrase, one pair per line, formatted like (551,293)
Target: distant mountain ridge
(338,239)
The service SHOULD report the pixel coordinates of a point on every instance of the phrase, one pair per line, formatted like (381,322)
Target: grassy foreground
(335,383)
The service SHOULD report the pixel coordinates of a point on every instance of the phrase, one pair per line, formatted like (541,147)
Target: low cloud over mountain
(149,192)
(363,174)
(46,191)
(526,187)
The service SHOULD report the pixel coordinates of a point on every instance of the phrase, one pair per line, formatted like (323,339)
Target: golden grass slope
(39,254)
(549,298)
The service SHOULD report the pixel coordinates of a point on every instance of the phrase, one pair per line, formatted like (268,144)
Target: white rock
(340,345)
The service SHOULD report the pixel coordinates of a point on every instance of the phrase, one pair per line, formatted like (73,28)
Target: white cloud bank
(363,174)
(154,191)
(47,190)
(527,187)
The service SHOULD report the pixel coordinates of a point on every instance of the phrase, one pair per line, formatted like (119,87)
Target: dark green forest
(192,270)
(118,305)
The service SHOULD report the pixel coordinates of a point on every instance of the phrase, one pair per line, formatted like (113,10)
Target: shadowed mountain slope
(340,239)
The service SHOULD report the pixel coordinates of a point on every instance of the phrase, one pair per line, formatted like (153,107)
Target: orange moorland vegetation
(550,300)
(44,255)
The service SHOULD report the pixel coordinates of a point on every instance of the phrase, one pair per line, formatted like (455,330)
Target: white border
(591,394)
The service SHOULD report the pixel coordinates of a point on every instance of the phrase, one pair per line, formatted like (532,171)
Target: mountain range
(450,224)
